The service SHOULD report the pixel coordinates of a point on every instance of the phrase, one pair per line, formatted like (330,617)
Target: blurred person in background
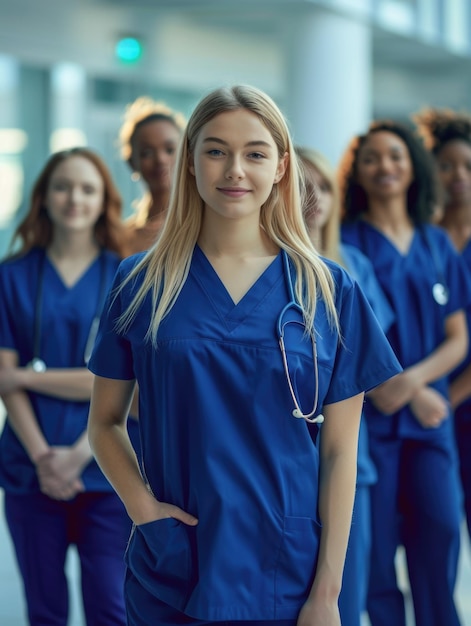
(389,194)
(322,217)
(447,134)
(53,288)
(149,139)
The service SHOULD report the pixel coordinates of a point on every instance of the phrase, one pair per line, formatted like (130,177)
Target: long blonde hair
(330,232)
(167,263)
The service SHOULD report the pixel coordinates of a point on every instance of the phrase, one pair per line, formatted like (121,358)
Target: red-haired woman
(52,292)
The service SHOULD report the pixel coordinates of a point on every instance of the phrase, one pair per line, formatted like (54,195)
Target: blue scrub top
(66,317)
(419,325)
(219,439)
(465,407)
(360,268)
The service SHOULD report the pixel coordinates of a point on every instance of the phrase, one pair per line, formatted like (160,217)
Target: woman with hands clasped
(228,515)
(447,134)
(52,292)
(389,195)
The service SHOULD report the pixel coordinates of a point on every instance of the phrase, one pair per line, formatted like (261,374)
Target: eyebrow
(369,150)
(258,142)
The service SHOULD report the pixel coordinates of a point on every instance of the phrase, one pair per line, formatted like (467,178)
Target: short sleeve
(7,333)
(112,354)
(364,357)
(458,277)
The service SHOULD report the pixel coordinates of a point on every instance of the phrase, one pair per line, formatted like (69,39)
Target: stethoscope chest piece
(37,365)
(440,294)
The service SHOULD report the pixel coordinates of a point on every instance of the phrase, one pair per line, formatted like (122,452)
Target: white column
(328,95)
(68,106)
(13,140)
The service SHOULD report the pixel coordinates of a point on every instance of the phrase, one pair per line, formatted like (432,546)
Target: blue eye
(256,155)
(215,152)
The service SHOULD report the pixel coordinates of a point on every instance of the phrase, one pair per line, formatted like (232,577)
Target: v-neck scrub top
(219,439)
(66,317)
(419,325)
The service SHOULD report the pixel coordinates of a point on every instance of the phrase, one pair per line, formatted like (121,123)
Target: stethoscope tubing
(293,304)
(36,362)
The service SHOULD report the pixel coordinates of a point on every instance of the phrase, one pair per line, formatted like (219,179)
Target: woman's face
(75,195)
(318,208)
(384,167)
(235,163)
(154,152)
(454,170)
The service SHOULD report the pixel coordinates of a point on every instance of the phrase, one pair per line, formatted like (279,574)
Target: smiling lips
(385,179)
(233,192)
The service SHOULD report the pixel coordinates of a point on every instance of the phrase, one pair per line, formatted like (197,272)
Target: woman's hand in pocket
(155,510)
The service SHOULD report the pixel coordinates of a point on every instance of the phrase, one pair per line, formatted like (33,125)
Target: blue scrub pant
(463,441)
(415,502)
(42,529)
(352,600)
(144,609)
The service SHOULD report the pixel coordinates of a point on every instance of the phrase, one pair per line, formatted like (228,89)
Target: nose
(75,194)
(385,164)
(462,172)
(160,157)
(234,169)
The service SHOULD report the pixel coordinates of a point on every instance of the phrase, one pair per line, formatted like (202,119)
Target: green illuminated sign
(128,50)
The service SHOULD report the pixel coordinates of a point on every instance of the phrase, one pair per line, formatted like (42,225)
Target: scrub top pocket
(297,560)
(159,556)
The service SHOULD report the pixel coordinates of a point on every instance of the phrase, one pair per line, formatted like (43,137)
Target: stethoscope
(293,305)
(440,291)
(37,363)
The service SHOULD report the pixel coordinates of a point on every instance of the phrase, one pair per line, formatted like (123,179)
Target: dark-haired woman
(389,190)
(149,138)
(52,292)
(448,135)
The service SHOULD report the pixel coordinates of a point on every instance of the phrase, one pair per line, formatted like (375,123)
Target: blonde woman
(322,216)
(239,517)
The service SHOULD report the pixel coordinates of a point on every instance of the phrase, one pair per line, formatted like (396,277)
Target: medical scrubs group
(219,439)
(58,319)
(416,498)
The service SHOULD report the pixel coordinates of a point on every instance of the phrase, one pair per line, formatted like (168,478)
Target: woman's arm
(338,468)
(460,388)
(134,410)
(109,440)
(67,384)
(400,390)
(21,416)
(58,468)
